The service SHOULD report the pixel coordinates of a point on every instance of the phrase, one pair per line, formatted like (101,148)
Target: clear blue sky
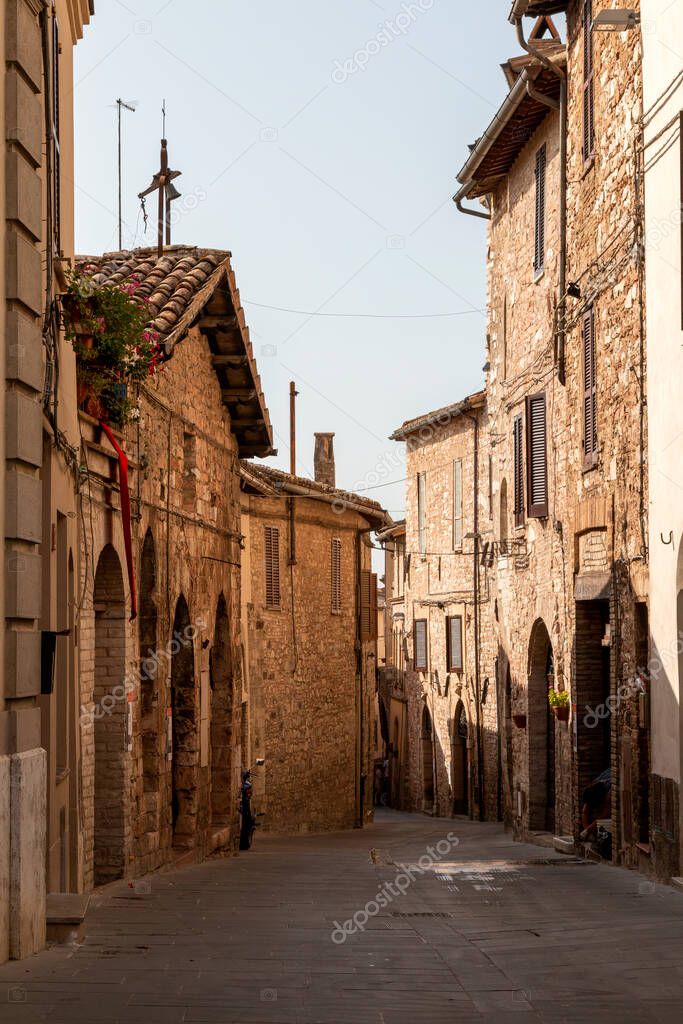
(331,184)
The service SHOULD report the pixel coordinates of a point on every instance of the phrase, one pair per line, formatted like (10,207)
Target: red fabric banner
(125,516)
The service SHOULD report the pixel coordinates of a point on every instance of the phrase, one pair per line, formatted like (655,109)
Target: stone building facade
(161,697)
(393,699)
(558,174)
(39,444)
(309,623)
(445,643)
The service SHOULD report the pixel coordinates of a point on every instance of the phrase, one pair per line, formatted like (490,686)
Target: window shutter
(374,611)
(588,83)
(537,461)
(590,426)
(539,234)
(272,552)
(420,645)
(365,605)
(518,458)
(457,504)
(335,574)
(454,643)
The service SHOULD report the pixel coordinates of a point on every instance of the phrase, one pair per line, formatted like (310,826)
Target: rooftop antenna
(162,182)
(122,105)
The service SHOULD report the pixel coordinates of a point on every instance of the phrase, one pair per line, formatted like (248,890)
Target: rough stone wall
(306,672)
(185,494)
(590,547)
(529,576)
(437,585)
(605,255)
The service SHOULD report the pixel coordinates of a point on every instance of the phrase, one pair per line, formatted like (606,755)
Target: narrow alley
(492,931)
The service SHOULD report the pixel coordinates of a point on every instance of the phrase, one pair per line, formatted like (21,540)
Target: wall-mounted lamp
(574,290)
(615,20)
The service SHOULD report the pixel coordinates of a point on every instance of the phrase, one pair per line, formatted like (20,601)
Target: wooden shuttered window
(539,233)
(335,576)
(457,504)
(368,605)
(518,466)
(454,657)
(588,84)
(590,426)
(537,457)
(420,645)
(272,556)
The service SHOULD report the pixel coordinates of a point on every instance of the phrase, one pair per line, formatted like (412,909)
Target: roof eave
(470,404)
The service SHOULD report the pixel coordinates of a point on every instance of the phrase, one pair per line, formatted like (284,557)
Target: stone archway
(149,692)
(185,758)
(541,731)
(221,719)
(459,765)
(109,718)
(427,762)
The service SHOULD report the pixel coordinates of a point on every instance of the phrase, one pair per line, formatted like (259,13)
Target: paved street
(495,931)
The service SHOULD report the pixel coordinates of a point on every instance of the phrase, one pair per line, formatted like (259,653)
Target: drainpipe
(518,10)
(477,645)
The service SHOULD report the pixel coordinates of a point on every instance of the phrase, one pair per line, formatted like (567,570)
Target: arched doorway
(459,768)
(427,762)
(110,718)
(221,719)
(149,693)
(541,731)
(395,765)
(185,763)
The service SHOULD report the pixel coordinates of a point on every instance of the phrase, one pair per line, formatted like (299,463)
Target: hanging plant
(559,703)
(115,348)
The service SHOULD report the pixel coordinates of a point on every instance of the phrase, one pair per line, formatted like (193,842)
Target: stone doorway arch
(185,738)
(221,719)
(459,764)
(427,762)
(149,682)
(541,731)
(109,697)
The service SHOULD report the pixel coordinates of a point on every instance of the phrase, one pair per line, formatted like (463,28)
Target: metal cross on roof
(162,183)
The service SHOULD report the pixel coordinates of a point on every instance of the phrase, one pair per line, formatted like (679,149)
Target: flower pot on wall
(519,720)
(561,713)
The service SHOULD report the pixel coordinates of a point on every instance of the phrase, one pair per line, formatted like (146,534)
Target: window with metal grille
(335,575)
(422,512)
(518,466)
(420,645)
(457,504)
(454,643)
(272,553)
(588,84)
(537,458)
(590,426)
(539,232)
(56,168)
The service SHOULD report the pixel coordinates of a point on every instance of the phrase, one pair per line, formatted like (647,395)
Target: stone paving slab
(496,931)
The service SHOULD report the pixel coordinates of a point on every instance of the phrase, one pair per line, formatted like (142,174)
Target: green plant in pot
(115,348)
(559,702)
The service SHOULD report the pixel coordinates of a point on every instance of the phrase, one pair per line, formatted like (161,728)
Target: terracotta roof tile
(178,287)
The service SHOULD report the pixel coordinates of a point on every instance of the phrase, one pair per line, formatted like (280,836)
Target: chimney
(323,460)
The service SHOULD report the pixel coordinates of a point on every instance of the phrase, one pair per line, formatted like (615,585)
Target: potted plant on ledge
(115,348)
(559,703)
